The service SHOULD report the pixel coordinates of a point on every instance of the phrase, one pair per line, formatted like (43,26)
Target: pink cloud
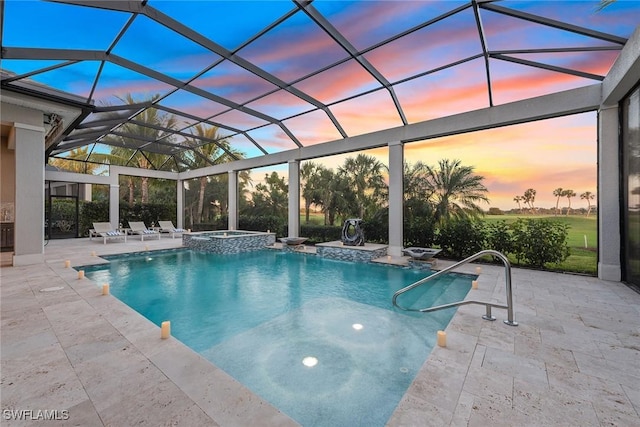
(379,20)
(313,128)
(424,50)
(281,104)
(293,49)
(237,85)
(338,83)
(367,113)
(459,89)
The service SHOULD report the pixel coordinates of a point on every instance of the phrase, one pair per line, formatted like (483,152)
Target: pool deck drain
(575,355)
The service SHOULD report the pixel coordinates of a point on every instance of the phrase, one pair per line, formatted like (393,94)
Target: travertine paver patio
(573,360)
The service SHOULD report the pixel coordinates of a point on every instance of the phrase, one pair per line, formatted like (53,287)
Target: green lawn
(315,218)
(582,259)
(579,226)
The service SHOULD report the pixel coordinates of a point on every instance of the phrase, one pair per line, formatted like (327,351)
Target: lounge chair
(167,227)
(106,231)
(138,227)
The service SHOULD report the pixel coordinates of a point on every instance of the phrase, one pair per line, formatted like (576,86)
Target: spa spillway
(228,241)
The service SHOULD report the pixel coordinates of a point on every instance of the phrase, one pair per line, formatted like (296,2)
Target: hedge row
(91,212)
(533,242)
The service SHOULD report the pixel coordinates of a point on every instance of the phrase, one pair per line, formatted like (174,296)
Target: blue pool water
(258,315)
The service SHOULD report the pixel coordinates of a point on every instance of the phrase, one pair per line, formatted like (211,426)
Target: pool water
(265,316)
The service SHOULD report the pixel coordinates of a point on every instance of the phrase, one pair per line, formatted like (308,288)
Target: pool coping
(488,372)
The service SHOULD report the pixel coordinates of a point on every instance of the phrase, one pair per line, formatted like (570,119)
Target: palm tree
(415,182)
(558,193)
(342,198)
(365,173)
(456,190)
(244,182)
(417,192)
(530,197)
(271,197)
(309,174)
(75,161)
(569,194)
(518,199)
(207,155)
(588,196)
(326,183)
(150,126)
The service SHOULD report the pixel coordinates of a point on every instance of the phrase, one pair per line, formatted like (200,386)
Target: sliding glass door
(631,187)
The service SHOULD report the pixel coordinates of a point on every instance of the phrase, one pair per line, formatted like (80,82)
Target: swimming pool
(315,337)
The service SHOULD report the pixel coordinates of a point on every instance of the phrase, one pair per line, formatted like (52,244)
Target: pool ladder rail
(507,273)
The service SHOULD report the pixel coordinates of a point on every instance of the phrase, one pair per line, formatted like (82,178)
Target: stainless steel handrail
(488,305)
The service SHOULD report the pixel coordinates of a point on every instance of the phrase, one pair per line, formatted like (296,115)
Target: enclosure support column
(114,204)
(233,200)
(608,201)
(28,141)
(396,198)
(114,197)
(294,198)
(180,203)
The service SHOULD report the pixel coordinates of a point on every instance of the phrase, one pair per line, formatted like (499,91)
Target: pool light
(310,361)
(357,326)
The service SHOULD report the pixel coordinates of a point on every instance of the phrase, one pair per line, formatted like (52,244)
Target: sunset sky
(544,155)
(306,78)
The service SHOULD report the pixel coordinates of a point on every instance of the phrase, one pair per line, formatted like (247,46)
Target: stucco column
(396,198)
(294,198)
(29,198)
(180,203)
(233,200)
(114,205)
(608,195)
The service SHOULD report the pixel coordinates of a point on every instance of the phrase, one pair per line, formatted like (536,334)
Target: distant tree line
(529,197)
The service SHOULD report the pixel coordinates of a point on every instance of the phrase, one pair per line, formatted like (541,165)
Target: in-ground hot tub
(228,241)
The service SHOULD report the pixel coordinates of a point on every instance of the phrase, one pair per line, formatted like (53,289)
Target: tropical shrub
(376,228)
(149,213)
(321,233)
(461,238)
(499,237)
(540,241)
(419,232)
(273,223)
(91,212)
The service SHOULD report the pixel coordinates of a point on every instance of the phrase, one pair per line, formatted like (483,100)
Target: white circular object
(310,361)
